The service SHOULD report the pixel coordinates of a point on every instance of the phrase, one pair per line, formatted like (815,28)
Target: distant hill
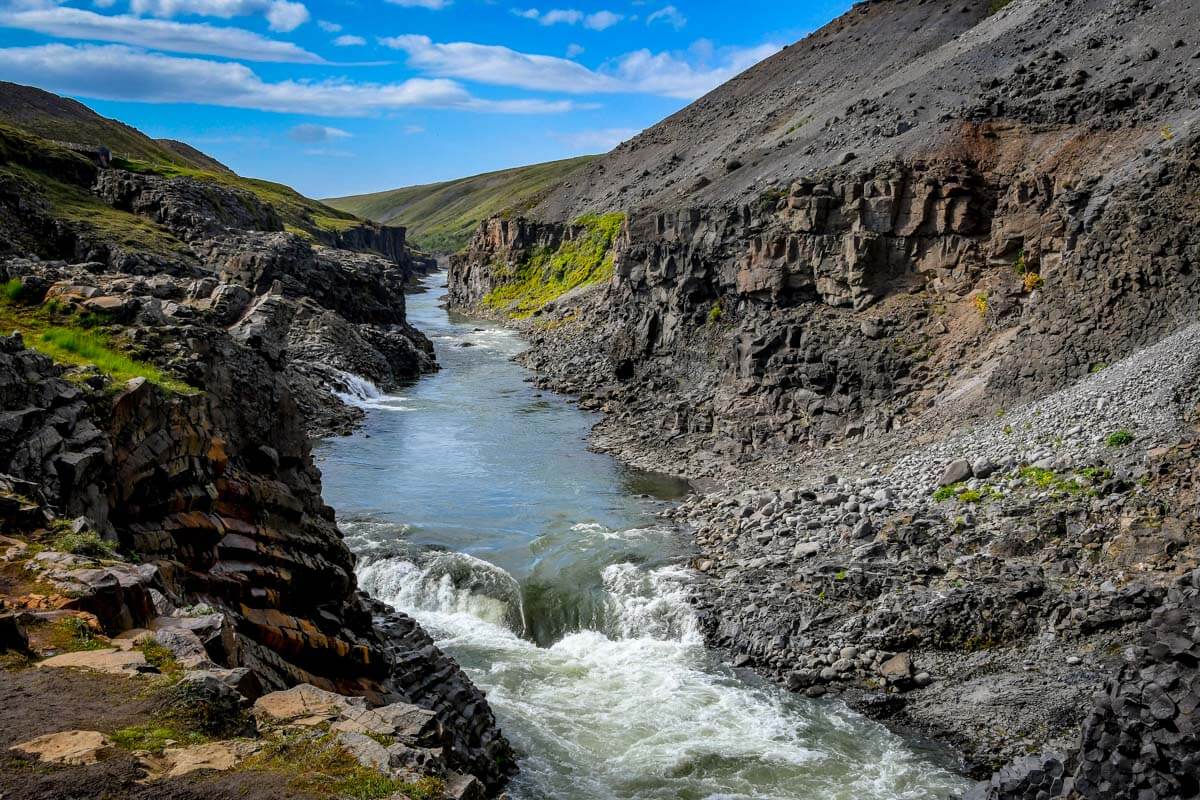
(440,217)
(65,120)
(60,119)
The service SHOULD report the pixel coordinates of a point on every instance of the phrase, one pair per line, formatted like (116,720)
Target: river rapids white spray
(639,710)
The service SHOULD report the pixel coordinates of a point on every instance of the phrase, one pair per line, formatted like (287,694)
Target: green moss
(714,314)
(944,493)
(997,5)
(1119,439)
(547,274)
(160,657)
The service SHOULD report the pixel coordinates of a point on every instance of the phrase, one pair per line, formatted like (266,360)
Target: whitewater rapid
(546,571)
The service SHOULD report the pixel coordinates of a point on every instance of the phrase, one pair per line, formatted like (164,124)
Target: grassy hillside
(61,119)
(28,110)
(441,216)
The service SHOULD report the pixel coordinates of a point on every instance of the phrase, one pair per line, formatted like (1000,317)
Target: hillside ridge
(440,217)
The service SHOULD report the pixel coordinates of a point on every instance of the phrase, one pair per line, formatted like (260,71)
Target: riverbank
(982,585)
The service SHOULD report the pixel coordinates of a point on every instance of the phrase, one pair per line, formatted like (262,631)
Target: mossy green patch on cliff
(547,274)
(72,340)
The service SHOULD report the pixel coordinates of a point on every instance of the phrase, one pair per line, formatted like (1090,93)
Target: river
(543,568)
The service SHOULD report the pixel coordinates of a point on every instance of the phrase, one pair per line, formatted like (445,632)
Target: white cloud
(682,75)
(309,133)
(412,130)
(115,72)
(596,141)
(669,15)
(329,27)
(434,5)
(601,20)
(672,75)
(283,15)
(598,21)
(349,40)
(574,50)
(178,37)
(498,65)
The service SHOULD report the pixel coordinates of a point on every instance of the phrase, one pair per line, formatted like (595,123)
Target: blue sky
(347,96)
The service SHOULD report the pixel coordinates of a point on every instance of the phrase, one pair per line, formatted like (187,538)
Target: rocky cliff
(915,316)
(176,351)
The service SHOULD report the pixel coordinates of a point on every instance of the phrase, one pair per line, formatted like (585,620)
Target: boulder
(304,705)
(464,787)
(365,750)
(955,472)
(898,668)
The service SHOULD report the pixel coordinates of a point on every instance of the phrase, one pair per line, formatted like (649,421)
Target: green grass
(155,736)
(441,217)
(73,340)
(547,275)
(317,764)
(71,635)
(85,543)
(297,211)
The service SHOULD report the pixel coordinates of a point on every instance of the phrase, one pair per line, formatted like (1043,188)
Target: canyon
(887,355)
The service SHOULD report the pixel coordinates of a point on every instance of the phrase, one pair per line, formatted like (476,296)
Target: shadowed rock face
(216,491)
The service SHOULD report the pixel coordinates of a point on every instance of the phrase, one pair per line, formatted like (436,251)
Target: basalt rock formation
(911,301)
(198,470)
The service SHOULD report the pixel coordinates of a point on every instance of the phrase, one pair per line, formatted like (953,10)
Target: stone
(108,659)
(176,762)
(806,549)
(365,750)
(76,748)
(464,787)
(983,468)
(955,472)
(304,705)
(897,668)
(12,634)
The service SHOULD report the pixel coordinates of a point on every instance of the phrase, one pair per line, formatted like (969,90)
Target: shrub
(1033,281)
(1019,264)
(714,313)
(85,543)
(1119,438)
(944,493)
(981,303)
(15,291)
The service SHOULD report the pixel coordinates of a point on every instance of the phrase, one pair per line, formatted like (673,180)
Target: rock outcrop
(242,337)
